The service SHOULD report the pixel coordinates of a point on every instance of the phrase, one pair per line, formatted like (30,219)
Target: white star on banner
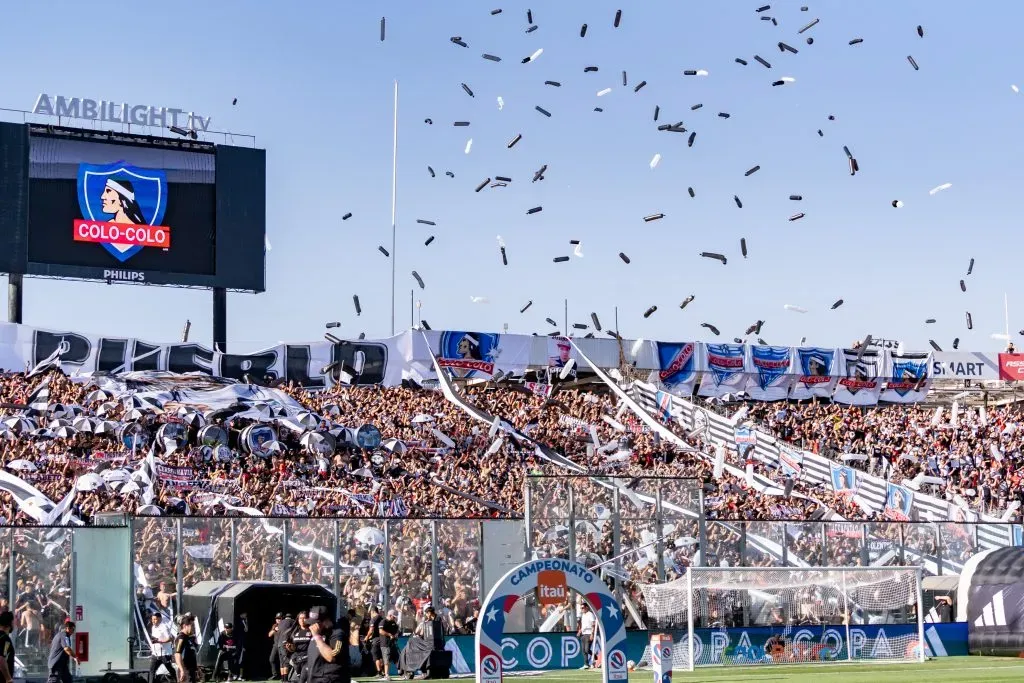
(492,614)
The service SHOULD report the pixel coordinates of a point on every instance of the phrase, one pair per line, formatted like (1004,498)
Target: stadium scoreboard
(107,206)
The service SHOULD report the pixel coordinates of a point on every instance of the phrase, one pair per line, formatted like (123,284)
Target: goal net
(763,616)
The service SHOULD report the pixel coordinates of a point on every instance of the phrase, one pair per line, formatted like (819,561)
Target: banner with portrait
(844,479)
(906,377)
(816,373)
(480,355)
(860,376)
(899,500)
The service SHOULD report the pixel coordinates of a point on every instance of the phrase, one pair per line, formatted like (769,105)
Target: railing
(401,563)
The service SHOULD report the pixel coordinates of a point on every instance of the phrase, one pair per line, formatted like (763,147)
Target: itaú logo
(122,208)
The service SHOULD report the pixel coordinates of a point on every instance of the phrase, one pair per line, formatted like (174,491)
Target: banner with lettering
(770,372)
(906,377)
(745,439)
(480,355)
(723,369)
(791,461)
(860,377)
(762,372)
(679,366)
(816,372)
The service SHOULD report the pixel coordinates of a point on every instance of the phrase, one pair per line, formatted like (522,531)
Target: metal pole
(15,297)
(481,579)
(659,548)
(337,571)
(394,190)
(617,537)
(572,523)
(180,558)
(285,537)
(528,523)
(234,550)
(566,328)
(1006,313)
(435,578)
(920,615)
(846,619)
(616,320)
(12,581)
(702,528)
(220,319)
(387,563)
(689,612)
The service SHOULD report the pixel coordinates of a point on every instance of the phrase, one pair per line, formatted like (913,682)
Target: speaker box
(440,664)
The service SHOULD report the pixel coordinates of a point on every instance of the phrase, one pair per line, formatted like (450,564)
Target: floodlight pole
(1006,314)
(394,188)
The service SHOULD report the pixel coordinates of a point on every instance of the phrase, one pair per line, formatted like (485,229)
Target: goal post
(731,616)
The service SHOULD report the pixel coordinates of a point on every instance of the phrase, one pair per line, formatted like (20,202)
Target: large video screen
(123,208)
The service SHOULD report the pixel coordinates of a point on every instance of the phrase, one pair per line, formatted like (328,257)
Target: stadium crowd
(978,453)
(446,465)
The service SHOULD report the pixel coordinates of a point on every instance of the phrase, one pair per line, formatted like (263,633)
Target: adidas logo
(993,614)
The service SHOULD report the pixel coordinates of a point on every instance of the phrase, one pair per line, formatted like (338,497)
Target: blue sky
(314,85)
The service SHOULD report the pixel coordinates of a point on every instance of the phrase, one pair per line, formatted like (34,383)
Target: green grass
(941,670)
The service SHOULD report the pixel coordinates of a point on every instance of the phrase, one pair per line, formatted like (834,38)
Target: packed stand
(978,453)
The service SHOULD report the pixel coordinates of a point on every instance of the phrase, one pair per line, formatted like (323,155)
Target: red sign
(82,647)
(1011,366)
(79,612)
(120,233)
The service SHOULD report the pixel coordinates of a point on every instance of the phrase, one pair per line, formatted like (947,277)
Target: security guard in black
(185,654)
(298,644)
(6,645)
(327,661)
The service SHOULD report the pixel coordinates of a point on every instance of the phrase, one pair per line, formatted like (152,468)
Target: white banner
(770,372)
(791,461)
(724,369)
(964,365)
(763,372)
(860,377)
(906,377)
(817,372)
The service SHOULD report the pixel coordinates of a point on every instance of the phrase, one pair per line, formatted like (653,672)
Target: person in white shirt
(163,644)
(586,633)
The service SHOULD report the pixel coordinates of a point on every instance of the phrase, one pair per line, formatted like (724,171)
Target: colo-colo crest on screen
(122,208)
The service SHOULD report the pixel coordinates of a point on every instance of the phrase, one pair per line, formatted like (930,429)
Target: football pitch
(989,669)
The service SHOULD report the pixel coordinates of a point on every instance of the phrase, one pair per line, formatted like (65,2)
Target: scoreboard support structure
(220,319)
(15,285)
